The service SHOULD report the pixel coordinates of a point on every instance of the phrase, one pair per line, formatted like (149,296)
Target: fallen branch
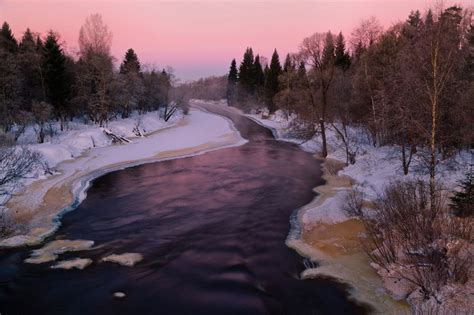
(115,137)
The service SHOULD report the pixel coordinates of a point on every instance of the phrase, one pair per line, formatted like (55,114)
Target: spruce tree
(288,65)
(56,77)
(471,52)
(27,42)
(271,81)
(358,51)
(462,202)
(232,79)
(247,72)
(130,63)
(7,40)
(30,62)
(328,51)
(343,59)
(259,75)
(429,20)
(412,25)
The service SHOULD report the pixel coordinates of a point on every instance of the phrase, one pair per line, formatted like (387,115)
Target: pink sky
(200,38)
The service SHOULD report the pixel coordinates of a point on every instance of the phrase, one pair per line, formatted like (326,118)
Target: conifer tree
(462,202)
(471,52)
(343,59)
(130,63)
(56,78)
(247,72)
(412,24)
(429,20)
(30,65)
(271,81)
(7,40)
(130,83)
(259,75)
(232,79)
(358,51)
(288,65)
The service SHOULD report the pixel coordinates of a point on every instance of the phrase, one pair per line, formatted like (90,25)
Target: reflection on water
(211,229)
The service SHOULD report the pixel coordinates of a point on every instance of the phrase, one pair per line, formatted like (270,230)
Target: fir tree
(271,81)
(30,62)
(471,52)
(412,25)
(358,51)
(232,79)
(429,20)
(329,50)
(57,79)
(462,202)
(7,40)
(343,59)
(130,64)
(27,42)
(259,75)
(288,65)
(247,73)
(414,19)
(302,69)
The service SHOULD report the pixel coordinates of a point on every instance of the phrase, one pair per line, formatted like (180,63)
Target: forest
(41,82)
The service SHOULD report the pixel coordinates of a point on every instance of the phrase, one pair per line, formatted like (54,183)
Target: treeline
(40,81)
(210,88)
(411,86)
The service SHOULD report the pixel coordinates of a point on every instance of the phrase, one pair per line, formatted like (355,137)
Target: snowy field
(84,153)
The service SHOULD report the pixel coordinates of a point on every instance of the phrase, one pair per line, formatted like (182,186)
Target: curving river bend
(212,231)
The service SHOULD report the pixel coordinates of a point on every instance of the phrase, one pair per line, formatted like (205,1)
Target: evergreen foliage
(271,81)
(343,59)
(462,202)
(130,64)
(56,78)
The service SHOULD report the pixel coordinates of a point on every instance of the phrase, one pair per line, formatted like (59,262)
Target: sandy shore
(338,251)
(40,206)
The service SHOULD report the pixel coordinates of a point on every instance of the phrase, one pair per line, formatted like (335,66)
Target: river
(211,229)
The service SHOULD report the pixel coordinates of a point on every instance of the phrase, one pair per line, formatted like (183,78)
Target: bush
(424,244)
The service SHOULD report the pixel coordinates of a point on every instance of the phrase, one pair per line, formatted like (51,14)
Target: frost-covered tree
(95,69)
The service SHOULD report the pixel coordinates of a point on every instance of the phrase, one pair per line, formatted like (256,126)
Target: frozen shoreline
(42,203)
(323,232)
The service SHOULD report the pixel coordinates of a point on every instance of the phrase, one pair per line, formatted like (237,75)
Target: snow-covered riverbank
(84,155)
(325,233)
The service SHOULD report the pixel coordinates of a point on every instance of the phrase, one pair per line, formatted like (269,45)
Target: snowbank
(374,169)
(77,161)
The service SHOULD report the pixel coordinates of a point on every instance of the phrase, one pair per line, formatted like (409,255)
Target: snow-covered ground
(375,167)
(324,232)
(85,152)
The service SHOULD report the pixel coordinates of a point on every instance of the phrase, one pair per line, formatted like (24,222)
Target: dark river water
(212,231)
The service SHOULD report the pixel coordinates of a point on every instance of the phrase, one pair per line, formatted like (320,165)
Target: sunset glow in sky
(200,38)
